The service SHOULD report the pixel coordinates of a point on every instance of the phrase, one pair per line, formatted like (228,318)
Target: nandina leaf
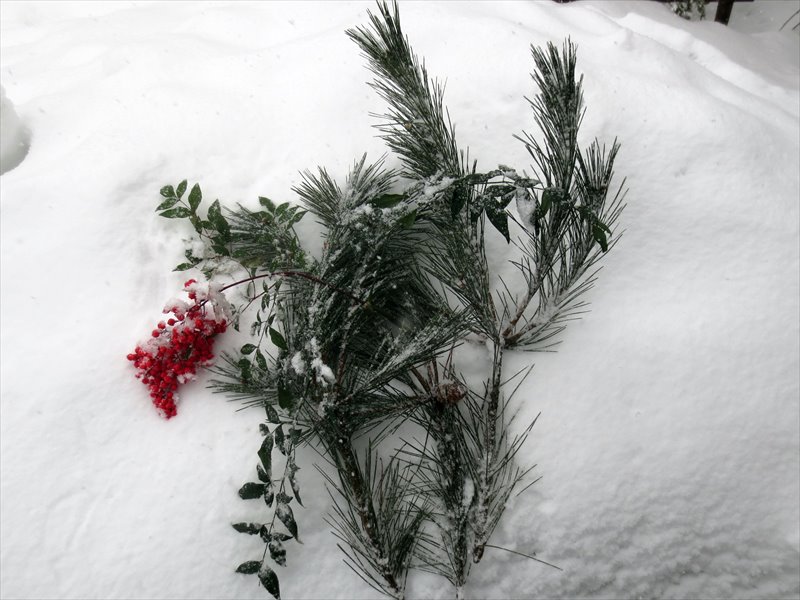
(183,267)
(269,495)
(277,552)
(388,200)
(281,537)
(195,196)
(251,491)
(272,414)
(167,191)
(293,469)
(262,362)
(265,454)
(181,189)
(497,216)
(280,439)
(250,567)
(269,580)
(168,203)
(277,339)
(218,222)
(179,212)
(267,203)
(251,528)
(247,349)
(294,436)
(244,368)
(459,198)
(284,512)
(284,397)
(600,237)
(263,475)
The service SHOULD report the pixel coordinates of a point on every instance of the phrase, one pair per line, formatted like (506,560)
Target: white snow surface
(669,436)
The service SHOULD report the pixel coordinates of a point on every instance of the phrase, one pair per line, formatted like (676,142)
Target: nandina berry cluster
(181,344)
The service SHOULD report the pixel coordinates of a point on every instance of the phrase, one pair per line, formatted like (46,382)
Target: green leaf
(459,198)
(181,189)
(265,454)
(263,476)
(600,237)
(269,495)
(407,221)
(261,360)
(251,491)
(219,223)
(167,191)
(248,349)
(269,580)
(284,512)
(196,223)
(284,397)
(387,200)
(195,196)
(497,216)
(277,339)
(168,203)
(277,552)
(280,439)
(251,528)
(249,567)
(272,414)
(183,267)
(293,469)
(547,200)
(244,368)
(267,203)
(176,213)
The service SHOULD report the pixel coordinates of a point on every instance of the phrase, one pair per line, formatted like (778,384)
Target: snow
(669,441)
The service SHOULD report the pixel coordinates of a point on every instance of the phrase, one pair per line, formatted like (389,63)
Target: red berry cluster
(180,345)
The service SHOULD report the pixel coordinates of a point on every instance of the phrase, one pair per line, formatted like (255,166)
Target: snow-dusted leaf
(277,339)
(272,414)
(293,469)
(280,439)
(195,196)
(179,212)
(249,568)
(247,349)
(284,512)
(181,189)
(167,191)
(277,552)
(251,528)
(168,203)
(269,580)
(251,491)
(261,360)
(265,454)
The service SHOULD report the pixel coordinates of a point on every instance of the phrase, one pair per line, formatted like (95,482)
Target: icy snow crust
(668,439)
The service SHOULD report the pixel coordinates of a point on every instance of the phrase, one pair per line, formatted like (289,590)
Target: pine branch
(416,127)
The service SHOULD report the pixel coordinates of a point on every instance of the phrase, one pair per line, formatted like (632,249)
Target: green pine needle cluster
(349,345)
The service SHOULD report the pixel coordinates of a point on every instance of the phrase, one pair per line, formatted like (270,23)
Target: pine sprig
(416,127)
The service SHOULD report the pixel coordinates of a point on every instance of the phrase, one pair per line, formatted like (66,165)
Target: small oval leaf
(249,568)
(269,580)
(277,339)
(251,491)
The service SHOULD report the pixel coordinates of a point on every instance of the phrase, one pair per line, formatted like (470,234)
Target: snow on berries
(181,344)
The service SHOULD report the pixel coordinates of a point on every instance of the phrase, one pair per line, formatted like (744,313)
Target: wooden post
(723,14)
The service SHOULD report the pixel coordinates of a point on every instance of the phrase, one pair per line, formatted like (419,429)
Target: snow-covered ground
(669,437)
